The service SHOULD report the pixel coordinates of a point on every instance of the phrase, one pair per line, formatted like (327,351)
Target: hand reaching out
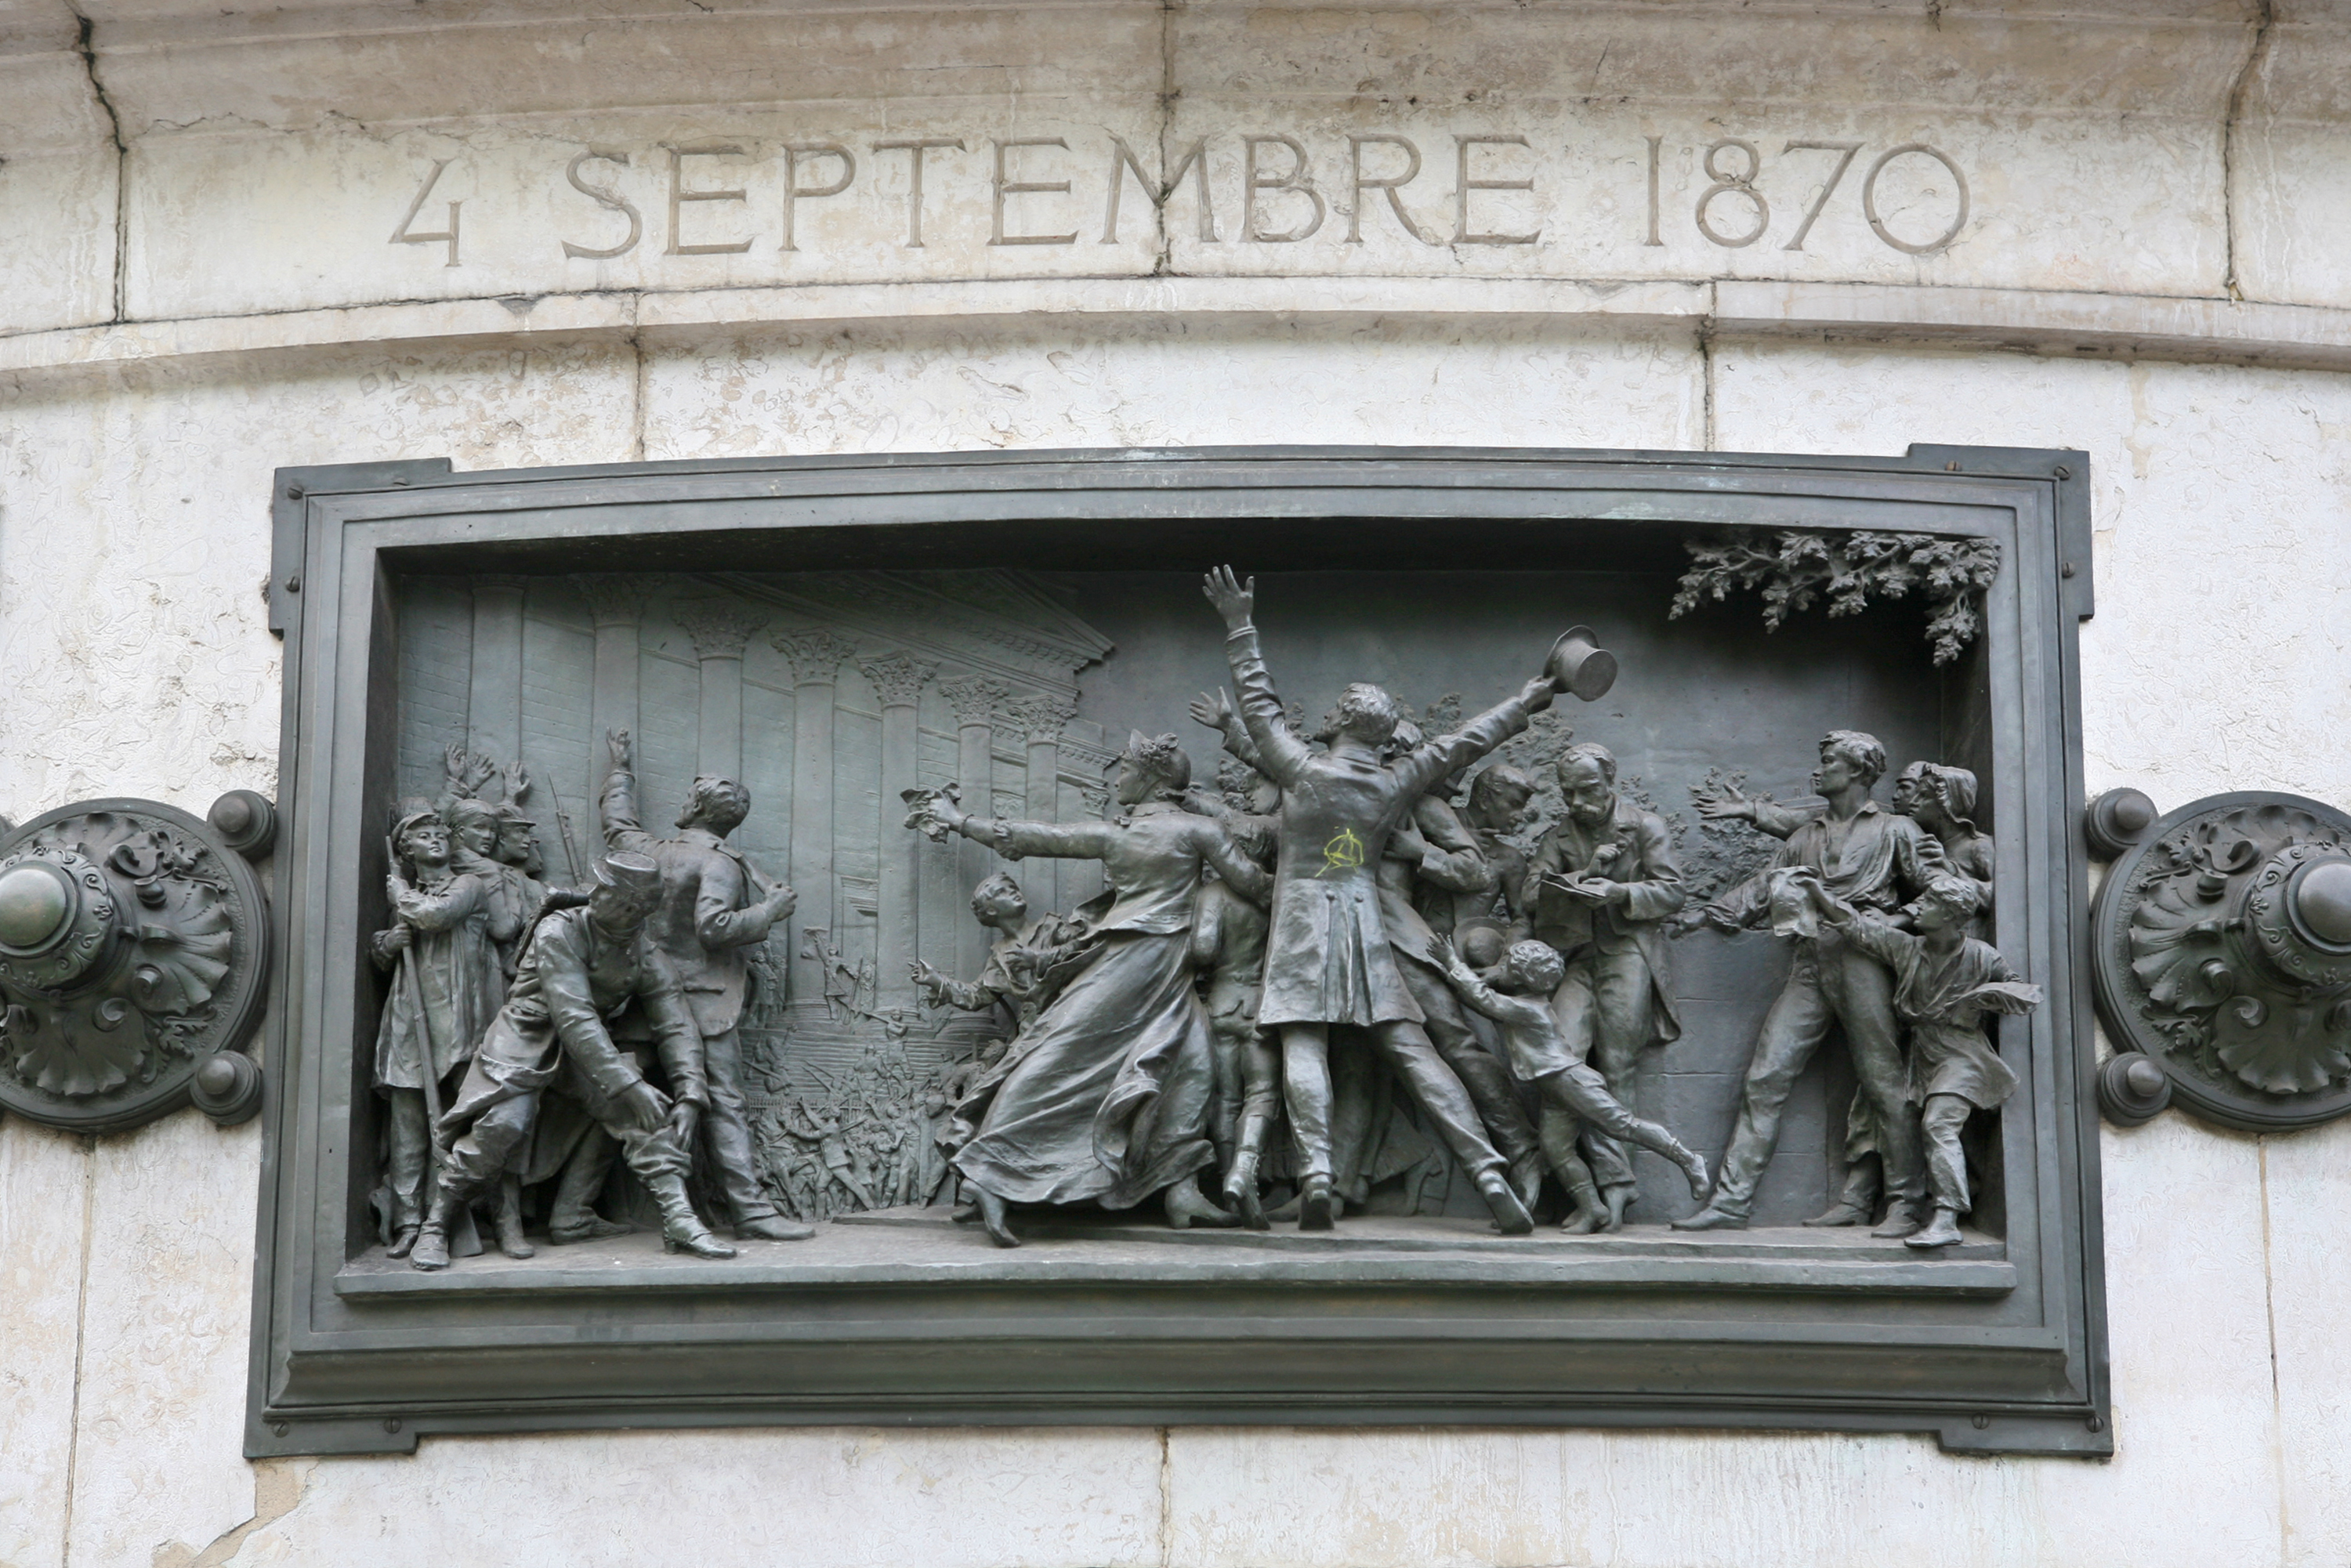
(1234,599)
(1214,709)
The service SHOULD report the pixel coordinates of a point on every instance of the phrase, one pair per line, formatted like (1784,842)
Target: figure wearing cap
(1107,1100)
(1329,959)
(713,909)
(446,985)
(586,975)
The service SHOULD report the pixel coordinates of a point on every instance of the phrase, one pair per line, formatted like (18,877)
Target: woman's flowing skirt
(1108,1101)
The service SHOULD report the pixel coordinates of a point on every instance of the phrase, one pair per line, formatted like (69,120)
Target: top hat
(1578,663)
(629,872)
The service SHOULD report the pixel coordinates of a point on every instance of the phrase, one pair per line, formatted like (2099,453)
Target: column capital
(898,678)
(975,699)
(614,597)
(719,627)
(815,655)
(1043,717)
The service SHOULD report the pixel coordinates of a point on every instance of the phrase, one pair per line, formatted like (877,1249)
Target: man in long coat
(584,974)
(712,913)
(1599,886)
(1329,959)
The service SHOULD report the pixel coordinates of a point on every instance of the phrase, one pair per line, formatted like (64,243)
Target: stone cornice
(2072,324)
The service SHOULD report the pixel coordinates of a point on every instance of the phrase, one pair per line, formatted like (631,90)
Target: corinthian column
(815,657)
(975,699)
(616,605)
(1043,717)
(494,696)
(720,627)
(898,680)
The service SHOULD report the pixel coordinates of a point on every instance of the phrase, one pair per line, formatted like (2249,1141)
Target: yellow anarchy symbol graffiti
(1344,853)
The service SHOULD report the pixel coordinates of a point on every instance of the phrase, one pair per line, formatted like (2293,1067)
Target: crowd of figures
(1350,908)
(1350,919)
(532,1036)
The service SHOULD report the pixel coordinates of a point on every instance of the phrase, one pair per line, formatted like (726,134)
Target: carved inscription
(1483,188)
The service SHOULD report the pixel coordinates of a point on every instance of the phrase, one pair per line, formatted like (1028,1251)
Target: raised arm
(1281,755)
(618,805)
(1432,760)
(939,812)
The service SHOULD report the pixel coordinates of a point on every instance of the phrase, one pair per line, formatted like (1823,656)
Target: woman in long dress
(1104,1098)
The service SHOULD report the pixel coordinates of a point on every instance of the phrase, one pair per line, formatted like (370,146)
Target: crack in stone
(83,46)
(2254,58)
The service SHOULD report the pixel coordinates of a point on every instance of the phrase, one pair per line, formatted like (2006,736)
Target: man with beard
(1599,886)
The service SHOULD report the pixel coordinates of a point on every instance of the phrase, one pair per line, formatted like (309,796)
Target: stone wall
(198,288)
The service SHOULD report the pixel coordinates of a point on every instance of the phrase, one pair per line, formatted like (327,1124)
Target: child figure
(1945,981)
(1572,1093)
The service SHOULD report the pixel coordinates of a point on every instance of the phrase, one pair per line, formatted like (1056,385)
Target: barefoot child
(1572,1092)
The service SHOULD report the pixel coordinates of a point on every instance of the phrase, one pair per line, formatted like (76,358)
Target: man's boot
(682,1228)
(1510,1216)
(772,1227)
(1857,1201)
(1241,1176)
(431,1251)
(407,1217)
(1240,1189)
(1317,1209)
(573,1217)
(1943,1230)
(509,1219)
(1711,1219)
(1904,1217)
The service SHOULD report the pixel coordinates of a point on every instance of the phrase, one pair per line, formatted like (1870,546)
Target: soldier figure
(445,987)
(1600,887)
(1866,856)
(579,968)
(1329,959)
(713,906)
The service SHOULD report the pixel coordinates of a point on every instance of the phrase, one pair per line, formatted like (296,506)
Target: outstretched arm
(1281,755)
(1436,759)
(1483,998)
(622,828)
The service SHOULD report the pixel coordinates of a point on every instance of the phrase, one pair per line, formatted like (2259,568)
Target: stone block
(44,1212)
